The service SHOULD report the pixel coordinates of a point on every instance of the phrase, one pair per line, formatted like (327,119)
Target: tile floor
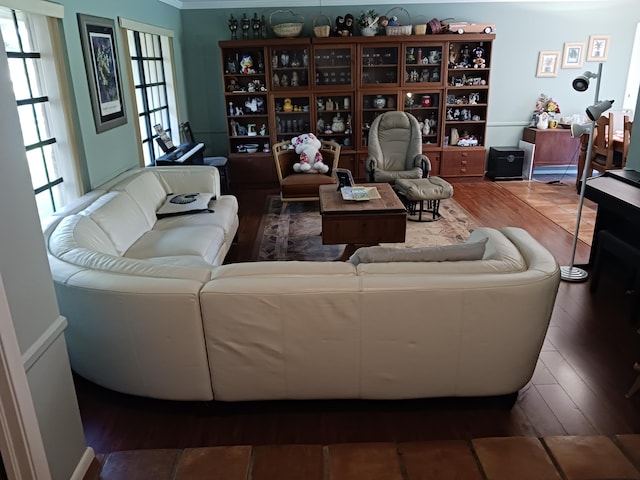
(595,457)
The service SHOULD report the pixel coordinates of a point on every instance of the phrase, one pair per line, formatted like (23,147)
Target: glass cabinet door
(371,106)
(292,116)
(425,106)
(333,65)
(423,64)
(379,65)
(334,118)
(289,67)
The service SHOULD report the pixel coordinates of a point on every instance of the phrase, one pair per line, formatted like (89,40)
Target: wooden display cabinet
(440,79)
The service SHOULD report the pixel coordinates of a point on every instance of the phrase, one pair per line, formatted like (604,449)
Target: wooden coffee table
(361,223)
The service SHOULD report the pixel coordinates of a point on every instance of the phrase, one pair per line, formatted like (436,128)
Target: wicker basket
(288,29)
(420,27)
(321,30)
(395,30)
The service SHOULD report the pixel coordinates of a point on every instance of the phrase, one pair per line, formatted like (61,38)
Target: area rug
(296,234)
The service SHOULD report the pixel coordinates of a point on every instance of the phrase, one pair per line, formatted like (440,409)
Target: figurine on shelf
(294,79)
(276,80)
(478,61)
(233,27)
(255,25)
(453,56)
(246,24)
(234,128)
(263,130)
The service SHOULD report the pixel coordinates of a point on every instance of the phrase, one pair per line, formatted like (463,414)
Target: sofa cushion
(79,231)
(201,240)
(444,253)
(148,192)
(120,217)
(184,203)
(224,215)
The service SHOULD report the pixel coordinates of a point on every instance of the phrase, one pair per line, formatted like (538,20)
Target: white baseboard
(83,465)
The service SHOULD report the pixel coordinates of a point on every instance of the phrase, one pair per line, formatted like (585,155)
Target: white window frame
(44,31)
(166,40)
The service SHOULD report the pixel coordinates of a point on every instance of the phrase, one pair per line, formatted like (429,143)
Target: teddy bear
(308,146)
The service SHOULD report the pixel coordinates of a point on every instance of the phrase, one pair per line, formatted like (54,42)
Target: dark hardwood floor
(584,370)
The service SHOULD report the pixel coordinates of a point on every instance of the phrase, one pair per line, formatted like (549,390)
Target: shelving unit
(335,87)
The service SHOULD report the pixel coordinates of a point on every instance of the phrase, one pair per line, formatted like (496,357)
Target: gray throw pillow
(445,253)
(185,203)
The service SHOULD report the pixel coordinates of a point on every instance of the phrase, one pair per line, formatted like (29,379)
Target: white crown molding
(219,4)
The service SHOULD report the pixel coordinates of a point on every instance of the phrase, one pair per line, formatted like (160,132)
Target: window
(27,40)
(151,68)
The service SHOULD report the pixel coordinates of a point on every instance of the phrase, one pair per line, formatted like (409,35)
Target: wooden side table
(554,146)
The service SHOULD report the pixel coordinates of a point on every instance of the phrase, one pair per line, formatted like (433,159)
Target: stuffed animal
(308,146)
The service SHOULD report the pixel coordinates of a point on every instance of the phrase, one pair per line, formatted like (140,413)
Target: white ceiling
(213,4)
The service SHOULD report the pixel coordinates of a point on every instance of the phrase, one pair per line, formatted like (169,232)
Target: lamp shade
(579,129)
(594,111)
(581,83)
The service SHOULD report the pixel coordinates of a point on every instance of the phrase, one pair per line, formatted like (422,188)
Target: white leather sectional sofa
(152,311)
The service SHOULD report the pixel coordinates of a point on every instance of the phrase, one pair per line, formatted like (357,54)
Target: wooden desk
(362,223)
(554,146)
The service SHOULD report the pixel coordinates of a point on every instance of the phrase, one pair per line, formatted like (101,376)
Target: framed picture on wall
(573,55)
(98,38)
(598,48)
(548,64)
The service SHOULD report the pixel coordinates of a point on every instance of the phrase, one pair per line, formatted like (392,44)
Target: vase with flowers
(369,23)
(545,111)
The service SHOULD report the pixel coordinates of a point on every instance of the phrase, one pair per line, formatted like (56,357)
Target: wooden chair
(626,139)
(303,187)
(603,144)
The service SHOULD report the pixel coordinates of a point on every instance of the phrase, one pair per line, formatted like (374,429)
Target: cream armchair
(395,149)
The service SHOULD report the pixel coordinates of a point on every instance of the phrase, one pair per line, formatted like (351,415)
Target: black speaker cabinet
(505,163)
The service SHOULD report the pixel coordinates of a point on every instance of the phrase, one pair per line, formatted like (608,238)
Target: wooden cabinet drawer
(256,169)
(463,162)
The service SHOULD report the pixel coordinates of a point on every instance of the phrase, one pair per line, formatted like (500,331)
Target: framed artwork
(598,48)
(98,38)
(573,55)
(548,64)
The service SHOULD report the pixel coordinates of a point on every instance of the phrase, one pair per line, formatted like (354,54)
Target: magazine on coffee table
(359,193)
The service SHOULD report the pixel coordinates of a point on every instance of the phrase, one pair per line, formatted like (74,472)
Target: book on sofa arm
(359,193)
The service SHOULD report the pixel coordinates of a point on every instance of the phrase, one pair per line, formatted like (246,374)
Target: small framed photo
(548,64)
(573,55)
(344,177)
(598,48)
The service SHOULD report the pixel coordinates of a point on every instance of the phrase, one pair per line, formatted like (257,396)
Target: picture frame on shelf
(573,55)
(598,48)
(100,50)
(548,64)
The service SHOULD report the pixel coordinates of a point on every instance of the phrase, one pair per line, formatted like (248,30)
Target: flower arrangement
(368,19)
(547,104)
(370,23)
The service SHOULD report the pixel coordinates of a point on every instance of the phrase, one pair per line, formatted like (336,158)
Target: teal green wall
(522,30)
(107,154)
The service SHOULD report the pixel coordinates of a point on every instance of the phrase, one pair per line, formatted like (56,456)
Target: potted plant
(369,23)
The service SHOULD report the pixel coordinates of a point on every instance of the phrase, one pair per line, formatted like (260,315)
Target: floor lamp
(571,273)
